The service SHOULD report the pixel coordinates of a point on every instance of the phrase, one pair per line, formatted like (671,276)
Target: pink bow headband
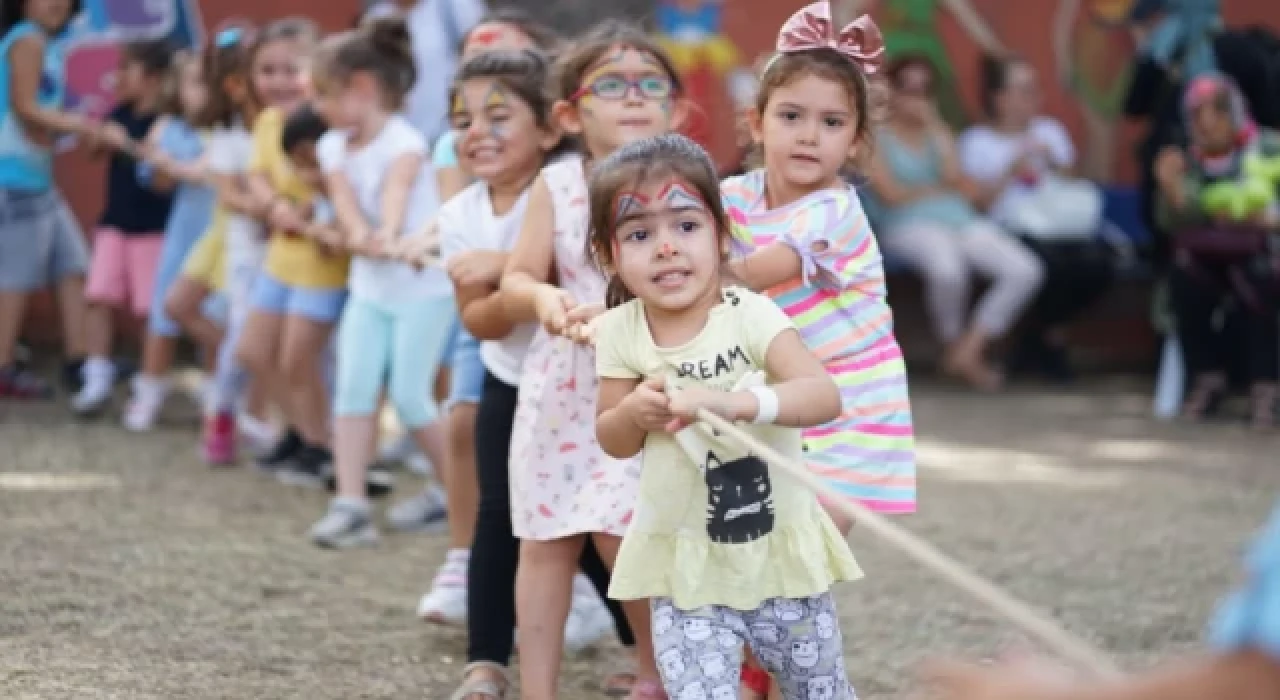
(811,28)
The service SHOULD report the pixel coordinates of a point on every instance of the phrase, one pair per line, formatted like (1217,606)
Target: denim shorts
(319,305)
(466,374)
(40,241)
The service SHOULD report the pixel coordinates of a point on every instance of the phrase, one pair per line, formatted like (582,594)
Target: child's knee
(414,408)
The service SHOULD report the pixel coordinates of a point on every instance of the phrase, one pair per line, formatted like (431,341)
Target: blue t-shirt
(24,164)
(1250,617)
(132,206)
(445,154)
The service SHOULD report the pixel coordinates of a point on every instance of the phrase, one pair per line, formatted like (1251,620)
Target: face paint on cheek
(497,98)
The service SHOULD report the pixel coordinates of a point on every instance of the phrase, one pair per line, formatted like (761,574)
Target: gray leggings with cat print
(797,641)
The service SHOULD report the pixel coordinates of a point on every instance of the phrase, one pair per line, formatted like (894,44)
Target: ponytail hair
(381,48)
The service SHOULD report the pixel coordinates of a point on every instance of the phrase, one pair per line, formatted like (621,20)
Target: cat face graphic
(740,499)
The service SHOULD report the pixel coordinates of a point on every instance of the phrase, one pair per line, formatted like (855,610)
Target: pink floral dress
(562,484)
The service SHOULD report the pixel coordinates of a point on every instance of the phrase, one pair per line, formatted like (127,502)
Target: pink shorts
(123,269)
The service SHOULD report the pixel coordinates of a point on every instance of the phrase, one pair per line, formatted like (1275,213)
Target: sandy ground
(131,571)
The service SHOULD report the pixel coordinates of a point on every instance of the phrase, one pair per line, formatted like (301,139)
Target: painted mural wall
(94,52)
(1081,47)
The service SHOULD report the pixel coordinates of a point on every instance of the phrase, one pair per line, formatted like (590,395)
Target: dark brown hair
(866,97)
(906,62)
(582,55)
(667,155)
(14,11)
(522,72)
(228,57)
(382,48)
(154,56)
(993,76)
(543,37)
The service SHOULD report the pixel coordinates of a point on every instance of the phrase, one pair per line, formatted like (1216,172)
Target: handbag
(1221,242)
(1057,209)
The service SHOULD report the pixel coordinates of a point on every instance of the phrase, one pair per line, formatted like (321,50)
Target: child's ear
(549,136)
(755,124)
(565,114)
(680,110)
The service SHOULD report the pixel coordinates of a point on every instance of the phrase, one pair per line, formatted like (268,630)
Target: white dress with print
(562,483)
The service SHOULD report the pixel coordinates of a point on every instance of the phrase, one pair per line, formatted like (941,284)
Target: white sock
(149,388)
(98,370)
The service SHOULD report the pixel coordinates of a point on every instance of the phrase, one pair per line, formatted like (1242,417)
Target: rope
(1020,614)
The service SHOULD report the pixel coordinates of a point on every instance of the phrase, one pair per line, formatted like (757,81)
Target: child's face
(350,105)
(306,166)
(666,248)
(49,14)
(809,131)
(626,96)
(278,75)
(497,131)
(131,80)
(192,93)
(495,36)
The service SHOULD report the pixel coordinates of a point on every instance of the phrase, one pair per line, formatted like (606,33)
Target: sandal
(486,688)
(1205,398)
(647,690)
(619,684)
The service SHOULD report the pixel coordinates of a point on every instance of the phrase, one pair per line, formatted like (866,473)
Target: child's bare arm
(768,267)
(620,425)
(397,185)
(530,263)
(482,311)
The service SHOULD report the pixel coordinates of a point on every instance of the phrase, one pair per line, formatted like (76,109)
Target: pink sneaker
(220,440)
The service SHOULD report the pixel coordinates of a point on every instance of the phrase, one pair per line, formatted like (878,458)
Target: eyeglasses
(616,86)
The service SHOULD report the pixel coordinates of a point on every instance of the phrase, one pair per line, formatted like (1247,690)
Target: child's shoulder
(739,190)
(618,323)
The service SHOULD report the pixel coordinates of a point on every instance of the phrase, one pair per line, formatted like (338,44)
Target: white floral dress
(562,483)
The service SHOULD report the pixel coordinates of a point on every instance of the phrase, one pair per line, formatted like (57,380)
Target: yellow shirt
(714,524)
(294,261)
(207,260)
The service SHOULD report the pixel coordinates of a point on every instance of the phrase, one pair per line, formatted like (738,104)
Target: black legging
(1076,276)
(1197,292)
(495,553)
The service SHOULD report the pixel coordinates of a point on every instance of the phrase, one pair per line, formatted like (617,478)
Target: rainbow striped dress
(839,306)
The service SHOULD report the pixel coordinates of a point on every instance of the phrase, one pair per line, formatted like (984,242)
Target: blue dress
(188,219)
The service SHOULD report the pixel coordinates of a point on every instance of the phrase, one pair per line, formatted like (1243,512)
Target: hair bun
(390,35)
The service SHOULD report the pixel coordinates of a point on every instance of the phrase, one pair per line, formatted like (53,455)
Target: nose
(666,249)
(809,132)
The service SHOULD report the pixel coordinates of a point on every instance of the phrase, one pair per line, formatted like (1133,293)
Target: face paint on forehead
(677,195)
(628,203)
(496,96)
(487,36)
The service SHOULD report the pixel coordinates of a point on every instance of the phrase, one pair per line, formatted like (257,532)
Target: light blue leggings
(401,345)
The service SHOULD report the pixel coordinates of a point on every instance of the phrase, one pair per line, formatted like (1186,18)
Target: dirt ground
(129,570)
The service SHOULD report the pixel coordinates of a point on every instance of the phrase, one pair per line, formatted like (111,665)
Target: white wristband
(768,400)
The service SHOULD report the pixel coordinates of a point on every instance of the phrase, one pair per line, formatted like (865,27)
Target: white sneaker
(398,449)
(346,524)
(446,602)
(260,435)
(144,405)
(425,512)
(589,619)
(99,379)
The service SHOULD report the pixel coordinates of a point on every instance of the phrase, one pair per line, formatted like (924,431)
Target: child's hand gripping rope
(421,249)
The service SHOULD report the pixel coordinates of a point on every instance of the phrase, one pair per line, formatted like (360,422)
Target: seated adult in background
(926,219)
(1024,161)
(1177,41)
(1217,198)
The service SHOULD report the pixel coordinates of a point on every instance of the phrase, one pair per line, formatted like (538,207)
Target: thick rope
(1026,618)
